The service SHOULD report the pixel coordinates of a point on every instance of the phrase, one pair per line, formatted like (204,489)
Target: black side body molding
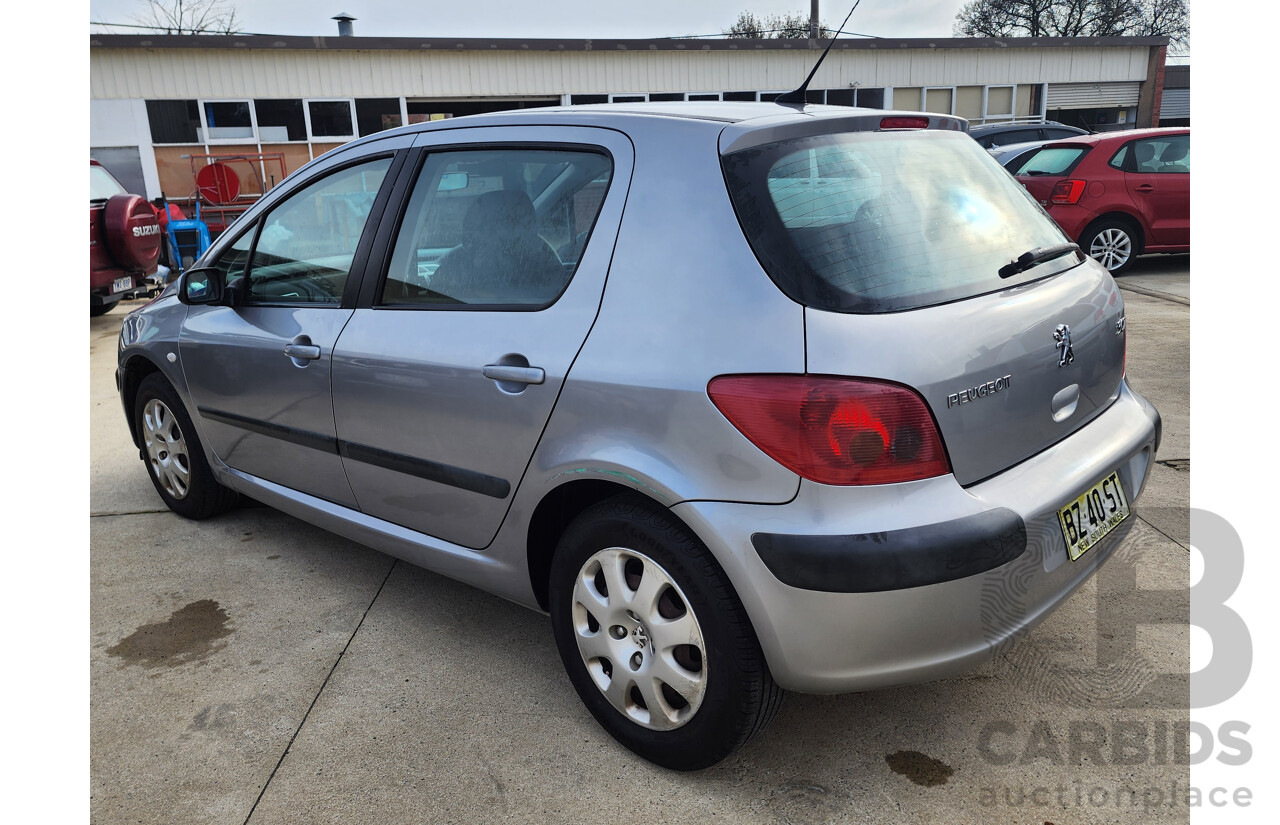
(460,477)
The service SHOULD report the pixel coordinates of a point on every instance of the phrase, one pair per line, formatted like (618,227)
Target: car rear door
(259,371)
(452,362)
(1158,179)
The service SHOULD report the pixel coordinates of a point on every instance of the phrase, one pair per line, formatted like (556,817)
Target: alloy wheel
(1112,247)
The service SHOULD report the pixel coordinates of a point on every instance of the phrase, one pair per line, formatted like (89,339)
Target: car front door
(259,370)
(449,368)
(1158,179)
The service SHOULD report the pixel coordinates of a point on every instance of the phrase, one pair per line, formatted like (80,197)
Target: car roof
(995,128)
(717,114)
(1103,138)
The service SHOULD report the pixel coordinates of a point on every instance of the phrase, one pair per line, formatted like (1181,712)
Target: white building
(156,101)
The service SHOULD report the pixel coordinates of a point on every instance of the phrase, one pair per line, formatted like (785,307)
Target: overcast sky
(565,18)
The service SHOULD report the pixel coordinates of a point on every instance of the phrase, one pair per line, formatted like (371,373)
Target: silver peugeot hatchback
(747,397)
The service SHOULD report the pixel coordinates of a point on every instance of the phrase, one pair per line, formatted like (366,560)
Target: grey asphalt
(255,669)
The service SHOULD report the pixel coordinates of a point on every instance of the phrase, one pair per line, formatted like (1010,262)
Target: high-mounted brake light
(835,430)
(1067,191)
(904,123)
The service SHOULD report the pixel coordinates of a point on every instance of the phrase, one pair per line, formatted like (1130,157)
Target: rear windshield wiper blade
(1036,256)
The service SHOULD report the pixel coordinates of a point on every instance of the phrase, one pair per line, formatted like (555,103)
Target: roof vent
(344,24)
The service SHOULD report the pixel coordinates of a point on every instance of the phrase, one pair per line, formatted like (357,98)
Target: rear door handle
(519,375)
(1146,187)
(306,352)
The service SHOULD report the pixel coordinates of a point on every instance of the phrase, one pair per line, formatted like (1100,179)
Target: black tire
(96,309)
(176,462)
(1112,242)
(739,697)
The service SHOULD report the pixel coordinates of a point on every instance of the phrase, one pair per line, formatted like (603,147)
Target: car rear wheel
(1112,243)
(654,638)
(171,449)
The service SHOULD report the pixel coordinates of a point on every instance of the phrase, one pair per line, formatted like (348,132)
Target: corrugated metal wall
(288,73)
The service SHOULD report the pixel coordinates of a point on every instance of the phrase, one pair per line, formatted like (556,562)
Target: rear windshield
(882,222)
(1050,161)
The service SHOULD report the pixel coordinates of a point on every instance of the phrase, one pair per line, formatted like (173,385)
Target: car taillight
(835,430)
(1067,191)
(904,123)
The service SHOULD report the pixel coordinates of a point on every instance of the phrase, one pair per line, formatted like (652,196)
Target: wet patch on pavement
(190,634)
(920,769)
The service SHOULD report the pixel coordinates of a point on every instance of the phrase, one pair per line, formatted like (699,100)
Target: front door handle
(306,352)
(519,375)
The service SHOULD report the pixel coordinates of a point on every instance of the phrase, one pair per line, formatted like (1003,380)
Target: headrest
(1176,151)
(507,210)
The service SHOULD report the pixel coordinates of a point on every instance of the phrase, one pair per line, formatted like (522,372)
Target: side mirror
(199,287)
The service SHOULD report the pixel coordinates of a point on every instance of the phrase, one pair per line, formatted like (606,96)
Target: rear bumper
(858,588)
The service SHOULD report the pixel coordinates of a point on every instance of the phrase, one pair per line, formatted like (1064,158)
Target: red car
(124,241)
(1117,194)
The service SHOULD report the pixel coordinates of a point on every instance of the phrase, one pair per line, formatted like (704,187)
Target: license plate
(121,284)
(1093,515)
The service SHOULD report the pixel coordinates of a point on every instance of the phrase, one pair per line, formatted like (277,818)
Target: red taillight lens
(904,123)
(834,430)
(1067,191)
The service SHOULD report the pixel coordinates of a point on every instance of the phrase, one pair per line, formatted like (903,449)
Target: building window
(228,120)
(739,96)
(174,121)
(374,114)
(665,96)
(940,100)
(626,98)
(280,121)
(704,95)
(998,103)
(583,100)
(331,119)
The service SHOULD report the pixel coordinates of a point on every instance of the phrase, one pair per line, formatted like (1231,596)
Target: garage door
(1092,95)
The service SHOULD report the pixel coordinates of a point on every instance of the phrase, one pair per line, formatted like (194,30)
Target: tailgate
(988,367)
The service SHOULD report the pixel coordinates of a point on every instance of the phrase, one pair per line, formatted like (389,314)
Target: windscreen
(869,222)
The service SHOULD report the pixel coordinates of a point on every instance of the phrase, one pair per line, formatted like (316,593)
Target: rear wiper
(1036,256)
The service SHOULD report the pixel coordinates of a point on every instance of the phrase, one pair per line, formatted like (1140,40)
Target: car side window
(235,258)
(1118,159)
(1015,136)
(307,242)
(496,227)
(1059,134)
(1164,155)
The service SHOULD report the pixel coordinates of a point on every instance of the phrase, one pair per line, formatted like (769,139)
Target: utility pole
(813,20)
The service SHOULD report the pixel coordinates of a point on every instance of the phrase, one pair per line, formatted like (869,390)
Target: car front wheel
(1111,243)
(171,449)
(654,638)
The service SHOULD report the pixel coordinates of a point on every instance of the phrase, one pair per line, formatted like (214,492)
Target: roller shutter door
(1092,95)
(1175,103)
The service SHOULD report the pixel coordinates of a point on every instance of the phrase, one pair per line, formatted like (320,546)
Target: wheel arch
(134,370)
(553,515)
(1133,222)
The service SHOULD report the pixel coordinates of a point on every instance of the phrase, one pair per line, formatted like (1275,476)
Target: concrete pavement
(255,669)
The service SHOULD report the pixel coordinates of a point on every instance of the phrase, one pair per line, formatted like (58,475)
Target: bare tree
(189,16)
(1074,18)
(791,25)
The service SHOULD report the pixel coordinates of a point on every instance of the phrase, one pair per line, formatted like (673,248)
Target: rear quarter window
(885,221)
